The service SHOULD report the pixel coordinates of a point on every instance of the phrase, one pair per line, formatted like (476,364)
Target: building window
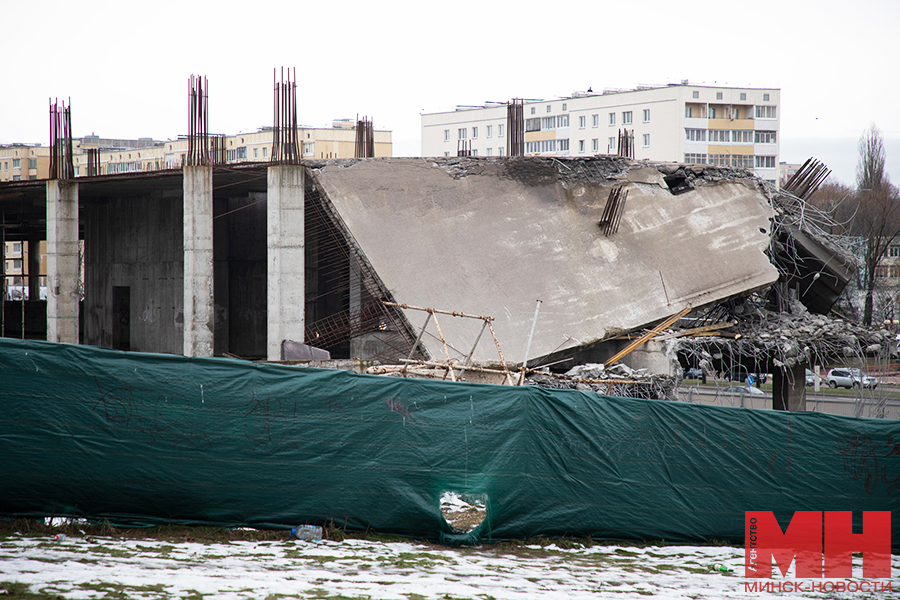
(581,145)
(612,144)
(490,151)
(743,96)
(646,115)
(582,122)
(595,120)
(17,248)
(562,121)
(265,151)
(626,117)
(548,123)
(765,112)
(490,130)
(32,177)
(765,162)
(17,178)
(446,154)
(718,95)
(463,133)
(595,145)
(742,136)
(17,264)
(695,159)
(646,140)
(712,112)
(32,163)
(563,145)
(532,110)
(765,97)
(695,135)
(696,94)
(612,118)
(474,133)
(564,106)
(500,130)
(256,153)
(474,152)
(17,163)
(719,135)
(500,151)
(446,135)
(893,252)
(548,108)
(689,112)
(533,124)
(764,137)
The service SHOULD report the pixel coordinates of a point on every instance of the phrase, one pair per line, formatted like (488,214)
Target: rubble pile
(789,339)
(615,380)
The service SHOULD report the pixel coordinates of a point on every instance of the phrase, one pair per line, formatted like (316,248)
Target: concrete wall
(135,242)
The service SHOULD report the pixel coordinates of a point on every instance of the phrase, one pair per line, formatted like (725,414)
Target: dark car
(741,374)
(693,373)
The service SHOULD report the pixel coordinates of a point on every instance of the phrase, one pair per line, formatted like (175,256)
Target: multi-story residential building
(18,264)
(22,161)
(786,171)
(679,122)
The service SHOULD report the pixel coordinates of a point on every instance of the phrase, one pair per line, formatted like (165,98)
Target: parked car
(811,378)
(693,373)
(849,378)
(740,374)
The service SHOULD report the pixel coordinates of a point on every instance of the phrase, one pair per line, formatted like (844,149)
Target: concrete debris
(617,380)
(788,339)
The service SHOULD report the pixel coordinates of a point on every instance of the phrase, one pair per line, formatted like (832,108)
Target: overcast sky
(126,66)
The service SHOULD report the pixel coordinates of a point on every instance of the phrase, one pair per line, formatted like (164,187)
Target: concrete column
(199,309)
(63,295)
(286,264)
(789,388)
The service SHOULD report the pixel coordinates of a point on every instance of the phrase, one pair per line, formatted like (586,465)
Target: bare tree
(877,211)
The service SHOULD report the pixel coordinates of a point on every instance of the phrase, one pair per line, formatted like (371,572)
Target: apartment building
(17,264)
(24,161)
(678,122)
(21,162)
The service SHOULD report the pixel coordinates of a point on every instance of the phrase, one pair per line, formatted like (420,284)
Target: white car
(738,390)
(849,378)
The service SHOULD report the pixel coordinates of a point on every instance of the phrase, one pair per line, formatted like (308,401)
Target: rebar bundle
(626,143)
(807,179)
(285,141)
(61,165)
(515,127)
(612,212)
(365,139)
(198,109)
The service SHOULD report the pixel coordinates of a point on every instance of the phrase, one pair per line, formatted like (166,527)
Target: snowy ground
(114,567)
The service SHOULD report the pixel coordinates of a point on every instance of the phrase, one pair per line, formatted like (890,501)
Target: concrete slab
(492,236)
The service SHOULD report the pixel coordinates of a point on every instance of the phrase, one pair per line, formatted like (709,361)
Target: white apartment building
(678,122)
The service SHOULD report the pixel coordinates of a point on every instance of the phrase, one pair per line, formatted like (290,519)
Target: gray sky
(125,66)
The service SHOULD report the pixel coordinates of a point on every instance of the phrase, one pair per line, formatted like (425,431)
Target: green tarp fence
(149,439)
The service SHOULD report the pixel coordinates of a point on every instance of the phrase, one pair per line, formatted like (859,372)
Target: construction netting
(142,439)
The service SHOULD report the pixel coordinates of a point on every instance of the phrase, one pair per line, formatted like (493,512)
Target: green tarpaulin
(144,438)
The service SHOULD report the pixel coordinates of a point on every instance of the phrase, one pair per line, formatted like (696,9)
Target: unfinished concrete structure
(234,260)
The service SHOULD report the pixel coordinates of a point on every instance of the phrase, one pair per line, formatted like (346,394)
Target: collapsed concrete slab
(493,236)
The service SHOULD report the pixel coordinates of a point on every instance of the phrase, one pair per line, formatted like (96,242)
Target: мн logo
(820,551)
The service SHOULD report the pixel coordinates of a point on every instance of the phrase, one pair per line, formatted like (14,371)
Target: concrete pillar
(34,268)
(789,388)
(286,264)
(199,309)
(63,295)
